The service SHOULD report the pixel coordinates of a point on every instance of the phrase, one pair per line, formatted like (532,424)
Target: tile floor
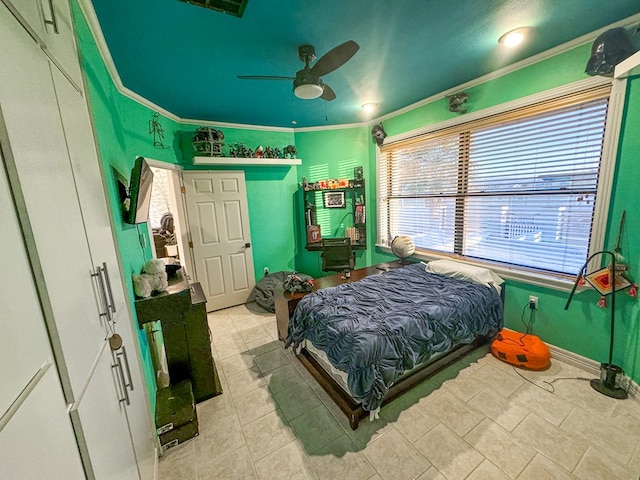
(478,420)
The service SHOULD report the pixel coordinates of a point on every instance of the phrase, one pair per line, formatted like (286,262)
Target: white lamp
(308,91)
(514,37)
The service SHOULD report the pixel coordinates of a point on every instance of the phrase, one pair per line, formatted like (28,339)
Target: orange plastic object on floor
(525,351)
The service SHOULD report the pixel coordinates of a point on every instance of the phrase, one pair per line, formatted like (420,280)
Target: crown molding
(565,47)
(94,26)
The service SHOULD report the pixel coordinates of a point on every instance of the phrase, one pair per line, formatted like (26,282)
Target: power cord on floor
(527,327)
(551,388)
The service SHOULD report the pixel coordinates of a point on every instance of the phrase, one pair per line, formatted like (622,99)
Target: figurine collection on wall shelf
(209,142)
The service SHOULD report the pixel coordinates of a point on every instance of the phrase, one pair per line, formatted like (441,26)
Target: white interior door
(221,240)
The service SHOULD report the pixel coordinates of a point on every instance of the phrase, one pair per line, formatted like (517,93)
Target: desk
(182,312)
(286,302)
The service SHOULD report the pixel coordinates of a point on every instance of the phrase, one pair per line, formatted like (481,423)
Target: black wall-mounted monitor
(139,199)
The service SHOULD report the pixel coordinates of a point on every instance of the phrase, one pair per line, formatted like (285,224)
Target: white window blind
(518,188)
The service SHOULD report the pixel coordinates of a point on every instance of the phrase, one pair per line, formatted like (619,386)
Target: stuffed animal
(141,286)
(154,266)
(152,279)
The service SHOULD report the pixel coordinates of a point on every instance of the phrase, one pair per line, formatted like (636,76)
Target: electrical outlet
(266,271)
(533,302)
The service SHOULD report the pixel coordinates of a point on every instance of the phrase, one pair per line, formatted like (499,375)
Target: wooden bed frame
(353,410)
(343,400)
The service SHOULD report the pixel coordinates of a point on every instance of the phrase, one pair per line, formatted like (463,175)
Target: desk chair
(337,255)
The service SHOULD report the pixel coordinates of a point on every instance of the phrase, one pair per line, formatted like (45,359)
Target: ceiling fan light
(514,37)
(308,91)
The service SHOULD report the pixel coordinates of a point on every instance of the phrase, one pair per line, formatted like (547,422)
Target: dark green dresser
(182,313)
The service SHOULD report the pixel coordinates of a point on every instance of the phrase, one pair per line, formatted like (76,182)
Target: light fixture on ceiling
(308,91)
(369,106)
(514,37)
(307,86)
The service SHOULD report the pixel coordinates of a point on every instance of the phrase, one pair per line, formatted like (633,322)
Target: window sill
(555,282)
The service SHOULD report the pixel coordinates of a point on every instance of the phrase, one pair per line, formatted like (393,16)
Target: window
(517,188)
(161,201)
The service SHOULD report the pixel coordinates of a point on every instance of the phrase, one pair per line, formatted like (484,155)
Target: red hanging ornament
(581,281)
(633,290)
(603,302)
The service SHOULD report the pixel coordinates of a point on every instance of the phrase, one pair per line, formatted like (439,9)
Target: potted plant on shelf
(171,244)
(167,230)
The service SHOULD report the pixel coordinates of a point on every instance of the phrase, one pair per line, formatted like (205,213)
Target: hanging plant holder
(208,142)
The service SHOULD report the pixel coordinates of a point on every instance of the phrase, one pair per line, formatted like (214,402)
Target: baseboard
(592,367)
(575,360)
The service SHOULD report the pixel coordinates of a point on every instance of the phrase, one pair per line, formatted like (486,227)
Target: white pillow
(464,271)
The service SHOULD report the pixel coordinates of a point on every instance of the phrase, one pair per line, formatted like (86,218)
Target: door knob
(247,245)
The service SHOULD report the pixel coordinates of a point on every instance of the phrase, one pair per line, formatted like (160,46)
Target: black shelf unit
(355,199)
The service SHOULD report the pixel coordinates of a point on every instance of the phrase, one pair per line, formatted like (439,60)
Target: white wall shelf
(236,161)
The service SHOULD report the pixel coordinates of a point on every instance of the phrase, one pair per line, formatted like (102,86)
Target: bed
(367,342)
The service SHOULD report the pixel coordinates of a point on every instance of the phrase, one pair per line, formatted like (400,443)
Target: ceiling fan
(307,83)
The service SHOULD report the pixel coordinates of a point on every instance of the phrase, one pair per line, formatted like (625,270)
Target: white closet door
(89,184)
(59,38)
(38,442)
(30,11)
(37,153)
(100,416)
(21,319)
(51,22)
(36,436)
(93,204)
(141,423)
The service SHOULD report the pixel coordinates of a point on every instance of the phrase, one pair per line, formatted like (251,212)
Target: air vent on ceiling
(232,7)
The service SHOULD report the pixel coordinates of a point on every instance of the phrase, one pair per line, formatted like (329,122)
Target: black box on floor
(178,435)
(176,419)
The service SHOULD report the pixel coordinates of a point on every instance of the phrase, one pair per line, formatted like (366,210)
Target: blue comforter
(382,325)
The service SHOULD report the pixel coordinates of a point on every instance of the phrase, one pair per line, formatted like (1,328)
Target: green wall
(277,224)
(122,130)
(584,328)
(332,154)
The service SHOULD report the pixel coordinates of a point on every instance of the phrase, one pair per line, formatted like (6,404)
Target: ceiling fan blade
(334,58)
(264,77)
(328,94)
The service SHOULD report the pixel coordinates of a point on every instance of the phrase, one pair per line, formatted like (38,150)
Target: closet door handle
(105,312)
(53,22)
(121,382)
(123,354)
(112,304)
(115,343)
